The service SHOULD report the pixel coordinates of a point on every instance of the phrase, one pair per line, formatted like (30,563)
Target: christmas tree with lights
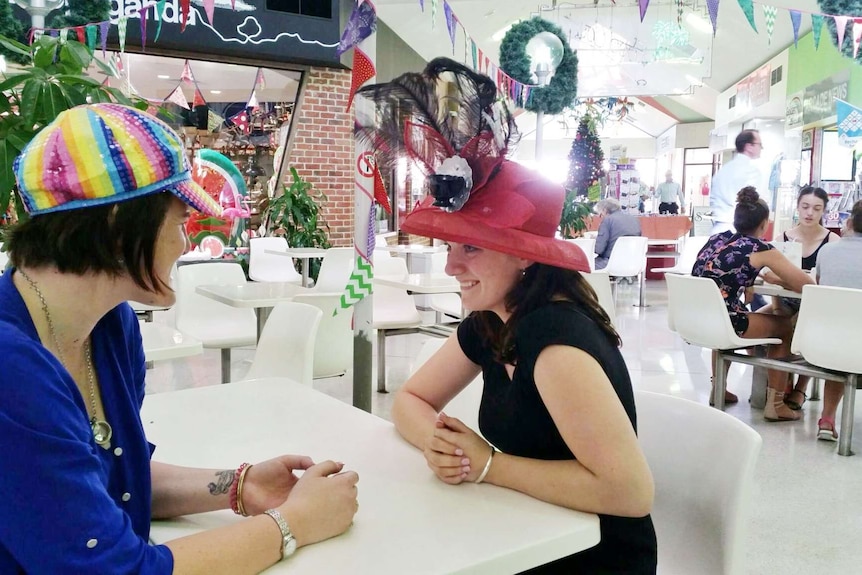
(585,158)
(13,29)
(81,13)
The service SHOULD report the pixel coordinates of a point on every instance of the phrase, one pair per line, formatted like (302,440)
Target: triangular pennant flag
(769,15)
(849,120)
(187,75)
(103,36)
(361,24)
(241,121)
(795,21)
(363,70)
(857,35)
(816,29)
(358,286)
(450,22)
(370,237)
(252,100)
(422,5)
(143,17)
(91,38)
(64,34)
(79,32)
(121,31)
(160,17)
(259,80)
(380,195)
(185,5)
(214,121)
(840,26)
(481,59)
(198,99)
(434,14)
(748,10)
(473,53)
(643,4)
(233,5)
(178,98)
(209,8)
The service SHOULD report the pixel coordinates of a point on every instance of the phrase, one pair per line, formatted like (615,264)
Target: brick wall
(322,149)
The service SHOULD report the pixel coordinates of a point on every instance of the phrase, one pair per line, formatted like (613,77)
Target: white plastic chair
(214,324)
(588,246)
(264,267)
(335,270)
(394,312)
(286,346)
(696,311)
(826,330)
(628,258)
(444,304)
(600,281)
(4,260)
(333,349)
(703,462)
(687,256)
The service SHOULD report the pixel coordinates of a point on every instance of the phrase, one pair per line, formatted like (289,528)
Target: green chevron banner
(769,15)
(358,286)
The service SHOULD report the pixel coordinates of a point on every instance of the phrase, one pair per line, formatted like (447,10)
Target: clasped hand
(455,453)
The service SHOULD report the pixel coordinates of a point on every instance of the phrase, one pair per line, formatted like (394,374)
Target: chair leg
(381,361)
(642,290)
(225,365)
(815,390)
(846,436)
(719,370)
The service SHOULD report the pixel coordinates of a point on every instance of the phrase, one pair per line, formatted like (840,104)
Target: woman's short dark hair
(856,218)
(541,284)
(820,193)
(750,211)
(111,239)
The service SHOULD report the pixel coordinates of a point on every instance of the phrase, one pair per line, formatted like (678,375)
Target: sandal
(826,429)
(795,405)
(729,399)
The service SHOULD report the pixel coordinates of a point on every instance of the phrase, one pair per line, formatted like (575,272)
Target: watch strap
(288,543)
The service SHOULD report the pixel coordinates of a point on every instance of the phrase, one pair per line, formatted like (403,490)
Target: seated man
(615,224)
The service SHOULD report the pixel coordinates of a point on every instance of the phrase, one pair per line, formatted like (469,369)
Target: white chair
(264,267)
(394,313)
(588,246)
(286,346)
(444,304)
(214,324)
(4,260)
(600,281)
(335,270)
(628,259)
(333,349)
(687,256)
(696,311)
(826,329)
(703,462)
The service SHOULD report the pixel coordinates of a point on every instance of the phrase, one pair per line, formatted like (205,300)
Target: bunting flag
(380,195)
(840,26)
(241,121)
(91,38)
(252,101)
(816,26)
(643,5)
(103,37)
(185,5)
(363,70)
(849,123)
(214,121)
(434,14)
(680,10)
(748,9)
(769,15)
(198,98)
(370,237)
(358,286)
(209,8)
(857,35)
(795,21)
(450,22)
(79,32)
(187,75)
(712,8)
(474,54)
(161,6)
(178,98)
(143,17)
(121,32)
(259,80)
(361,24)
(422,5)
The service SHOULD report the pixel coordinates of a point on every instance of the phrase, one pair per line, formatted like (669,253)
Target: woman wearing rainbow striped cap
(108,189)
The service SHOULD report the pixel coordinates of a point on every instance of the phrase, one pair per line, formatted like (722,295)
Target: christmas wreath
(851,8)
(514,61)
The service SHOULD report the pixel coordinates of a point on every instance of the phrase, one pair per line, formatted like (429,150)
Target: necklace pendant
(102,431)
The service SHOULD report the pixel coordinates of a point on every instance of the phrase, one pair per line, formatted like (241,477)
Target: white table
(409,521)
(304,254)
(162,342)
(409,250)
(261,296)
(776,290)
(429,283)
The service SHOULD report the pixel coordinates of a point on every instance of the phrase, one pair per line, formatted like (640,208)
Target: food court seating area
(804,503)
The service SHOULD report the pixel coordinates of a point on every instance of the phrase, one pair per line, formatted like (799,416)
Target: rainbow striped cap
(100,154)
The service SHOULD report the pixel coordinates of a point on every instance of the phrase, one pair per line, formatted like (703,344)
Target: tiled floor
(807,506)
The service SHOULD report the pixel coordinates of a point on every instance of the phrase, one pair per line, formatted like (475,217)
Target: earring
(523,273)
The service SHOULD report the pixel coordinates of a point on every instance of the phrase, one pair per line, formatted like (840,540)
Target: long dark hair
(820,193)
(750,211)
(540,285)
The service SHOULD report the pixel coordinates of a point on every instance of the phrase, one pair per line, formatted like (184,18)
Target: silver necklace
(102,431)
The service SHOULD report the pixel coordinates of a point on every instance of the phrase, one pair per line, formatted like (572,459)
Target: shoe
(795,405)
(776,410)
(729,399)
(826,430)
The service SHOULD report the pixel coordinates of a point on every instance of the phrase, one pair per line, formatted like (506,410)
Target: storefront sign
(793,111)
(819,99)
(753,90)
(808,139)
(666,142)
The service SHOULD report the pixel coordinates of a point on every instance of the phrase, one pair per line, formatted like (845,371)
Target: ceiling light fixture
(698,23)
(163,77)
(215,91)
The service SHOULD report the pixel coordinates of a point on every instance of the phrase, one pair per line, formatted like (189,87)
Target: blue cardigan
(66,504)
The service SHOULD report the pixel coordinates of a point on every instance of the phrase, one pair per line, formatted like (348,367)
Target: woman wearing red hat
(108,190)
(557,407)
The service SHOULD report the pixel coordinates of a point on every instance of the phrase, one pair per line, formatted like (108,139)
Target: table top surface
(427,283)
(409,521)
(776,290)
(162,342)
(412,249)
(299,253)
(252,294)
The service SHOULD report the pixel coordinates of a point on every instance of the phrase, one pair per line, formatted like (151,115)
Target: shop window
(837,161)
(776,76)
(731,102)
(314,8)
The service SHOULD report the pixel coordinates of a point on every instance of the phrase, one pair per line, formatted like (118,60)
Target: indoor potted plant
(575,216)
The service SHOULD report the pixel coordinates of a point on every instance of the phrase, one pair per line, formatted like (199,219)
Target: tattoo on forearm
(221,485)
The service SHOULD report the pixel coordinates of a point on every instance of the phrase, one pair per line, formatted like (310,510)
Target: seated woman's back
(726,259)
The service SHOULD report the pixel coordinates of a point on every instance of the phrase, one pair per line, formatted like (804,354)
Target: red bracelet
(234,505)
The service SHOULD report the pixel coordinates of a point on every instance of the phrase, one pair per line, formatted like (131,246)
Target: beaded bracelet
(235,494)
(482,475)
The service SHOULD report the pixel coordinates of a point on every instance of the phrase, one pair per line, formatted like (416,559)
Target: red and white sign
(365,164)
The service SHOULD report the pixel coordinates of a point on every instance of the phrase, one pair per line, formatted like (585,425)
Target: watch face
(289,547)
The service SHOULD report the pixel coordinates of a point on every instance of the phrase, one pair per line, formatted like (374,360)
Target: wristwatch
(288,542)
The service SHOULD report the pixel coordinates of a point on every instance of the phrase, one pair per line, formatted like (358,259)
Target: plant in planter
(54,79)
(295,215)
(576,214)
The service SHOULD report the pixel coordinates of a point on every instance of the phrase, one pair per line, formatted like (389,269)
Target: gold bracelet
(239,483)
(482,475)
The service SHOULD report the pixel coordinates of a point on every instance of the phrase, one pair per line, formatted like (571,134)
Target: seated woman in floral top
(733,260)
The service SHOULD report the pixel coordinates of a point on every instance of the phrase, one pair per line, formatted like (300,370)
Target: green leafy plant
(575,217)
(53,79)
(296,215)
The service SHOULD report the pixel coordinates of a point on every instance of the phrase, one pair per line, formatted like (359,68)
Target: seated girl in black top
(557,404)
